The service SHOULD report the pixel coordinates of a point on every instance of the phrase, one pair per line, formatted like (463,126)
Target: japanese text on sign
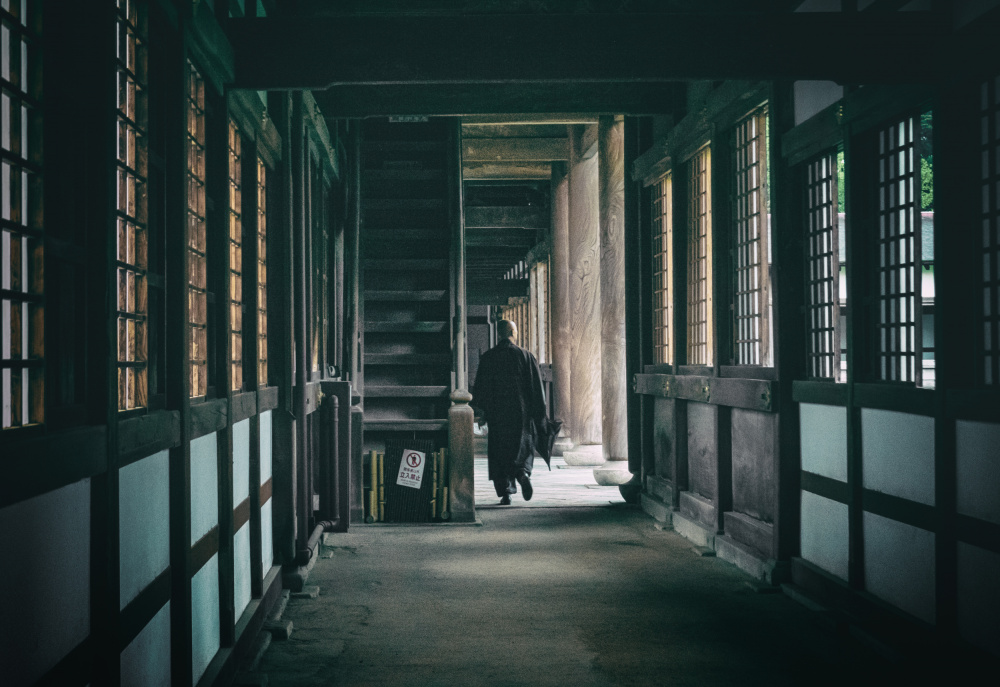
(411,469)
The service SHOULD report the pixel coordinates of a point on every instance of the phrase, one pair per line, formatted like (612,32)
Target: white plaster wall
(146,661)
(898,451)
(265,446)
(979,596)
(899,565)
(241,572)
(823,435)
(241,462)
(977,445)
(144,523)
(205,616)
(824,533)
(204,485)
(266,536)
(44,605)
(811,97)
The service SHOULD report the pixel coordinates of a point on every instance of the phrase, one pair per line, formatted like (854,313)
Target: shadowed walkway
(549,596)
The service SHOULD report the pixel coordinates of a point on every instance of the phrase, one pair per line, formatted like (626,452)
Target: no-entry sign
(411,469)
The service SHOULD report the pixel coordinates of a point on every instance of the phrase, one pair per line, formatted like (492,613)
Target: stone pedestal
(611,153)
(584,293)
(585,455)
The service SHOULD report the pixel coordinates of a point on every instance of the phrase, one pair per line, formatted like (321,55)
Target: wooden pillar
(787,275)
(279,324)
(585,300)
(353,261)
(559,301)
(456,219)
(611,172)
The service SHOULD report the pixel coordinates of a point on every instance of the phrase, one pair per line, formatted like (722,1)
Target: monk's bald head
(507,330)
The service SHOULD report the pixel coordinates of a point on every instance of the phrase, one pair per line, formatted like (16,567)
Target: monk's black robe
(508,391)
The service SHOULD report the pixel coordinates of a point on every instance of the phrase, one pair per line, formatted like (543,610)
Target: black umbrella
(545,438)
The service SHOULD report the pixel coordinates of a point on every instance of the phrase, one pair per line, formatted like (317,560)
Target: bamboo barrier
(374,502)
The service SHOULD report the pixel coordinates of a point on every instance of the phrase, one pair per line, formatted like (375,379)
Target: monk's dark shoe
(505,500)
(526,489)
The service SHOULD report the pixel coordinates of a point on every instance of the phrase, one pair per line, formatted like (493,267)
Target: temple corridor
(252,253)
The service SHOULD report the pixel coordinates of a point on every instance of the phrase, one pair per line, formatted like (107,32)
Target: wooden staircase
(410,200)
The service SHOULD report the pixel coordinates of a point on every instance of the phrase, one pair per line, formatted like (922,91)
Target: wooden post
(614,415)
(460,447)
(790,346)
(559,299)
(585,301)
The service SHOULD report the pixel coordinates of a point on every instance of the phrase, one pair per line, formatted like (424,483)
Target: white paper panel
(823,434)
(204,485)
(899,565)
(978,455)
(241,462)
(146,661)
(824,532)
(205,616)
(898,454)
(144,523)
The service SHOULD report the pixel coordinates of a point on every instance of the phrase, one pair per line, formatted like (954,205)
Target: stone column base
(585,454)
(613,473)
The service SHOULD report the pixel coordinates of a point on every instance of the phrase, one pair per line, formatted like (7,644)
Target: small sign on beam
(407,119)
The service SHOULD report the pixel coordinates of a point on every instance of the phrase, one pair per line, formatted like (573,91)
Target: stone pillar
(614,389)
(559,303)
(585,302)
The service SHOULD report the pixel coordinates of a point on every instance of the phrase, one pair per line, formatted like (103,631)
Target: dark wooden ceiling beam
(504,171)
(596,98)
(507,216)
(515,149)
(319,52)
(522,239)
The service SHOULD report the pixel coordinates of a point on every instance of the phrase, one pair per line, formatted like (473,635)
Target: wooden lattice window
(261,273)
(235,256)
(699,264)
(823,267)
(898,258)
(196,235)
(751,293)
(131,206)
(21,237)
(990,284)
(662,219)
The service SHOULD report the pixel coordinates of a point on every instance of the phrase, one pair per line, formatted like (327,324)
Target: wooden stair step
(405,425)
(414,264)
(403,174)
(406,327)
(402,146)
(402,203)
(407,359)
(382,234)
(423,295)
(400,391)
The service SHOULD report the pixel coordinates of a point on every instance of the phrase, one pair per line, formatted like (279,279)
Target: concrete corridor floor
(571,595)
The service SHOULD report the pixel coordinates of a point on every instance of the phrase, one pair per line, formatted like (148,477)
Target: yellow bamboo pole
(381,486)
(434,486)
(372,490)
(445,506)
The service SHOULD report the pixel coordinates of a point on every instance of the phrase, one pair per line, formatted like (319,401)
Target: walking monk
(508,391)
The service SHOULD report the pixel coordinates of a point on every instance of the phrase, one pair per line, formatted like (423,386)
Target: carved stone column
(611,154)
(559,302)
(585,302)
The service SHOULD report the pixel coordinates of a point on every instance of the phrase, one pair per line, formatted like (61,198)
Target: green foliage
(927,161)
(841,184)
